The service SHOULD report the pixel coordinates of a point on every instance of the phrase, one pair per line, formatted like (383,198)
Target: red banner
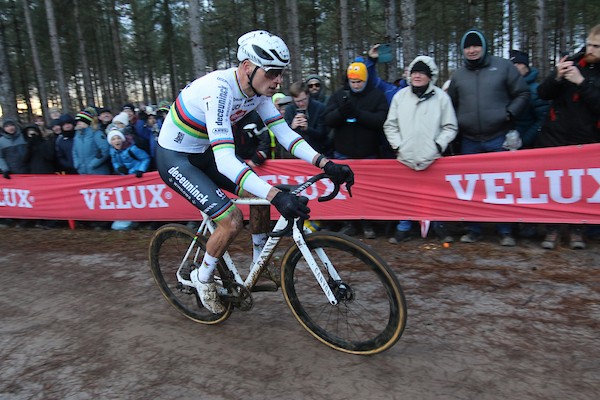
(559,184)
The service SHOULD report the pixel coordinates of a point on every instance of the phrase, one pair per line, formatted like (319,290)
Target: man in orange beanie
(356,113)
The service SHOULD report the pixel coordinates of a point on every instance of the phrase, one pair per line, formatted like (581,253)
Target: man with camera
(574,117)
(305,116)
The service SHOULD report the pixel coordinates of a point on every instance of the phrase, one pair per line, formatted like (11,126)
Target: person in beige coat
(420,125)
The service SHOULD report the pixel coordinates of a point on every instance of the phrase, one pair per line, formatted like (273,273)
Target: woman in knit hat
(126,160)
(420,125)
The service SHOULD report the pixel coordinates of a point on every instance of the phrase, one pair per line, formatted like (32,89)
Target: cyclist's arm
(220,134)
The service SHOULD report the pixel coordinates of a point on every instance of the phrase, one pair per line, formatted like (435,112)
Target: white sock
(258,242)
(205,272)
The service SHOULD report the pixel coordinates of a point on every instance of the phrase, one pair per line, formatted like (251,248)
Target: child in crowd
(126,159)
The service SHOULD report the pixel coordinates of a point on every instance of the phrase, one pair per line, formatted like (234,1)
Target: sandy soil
(81,318)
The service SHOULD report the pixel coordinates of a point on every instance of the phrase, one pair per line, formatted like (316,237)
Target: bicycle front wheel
(370,315)
(168,248)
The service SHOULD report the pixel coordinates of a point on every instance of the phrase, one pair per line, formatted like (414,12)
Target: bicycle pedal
(265,288)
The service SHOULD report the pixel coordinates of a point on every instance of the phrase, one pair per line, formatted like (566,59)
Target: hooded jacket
(415,124)
(487,93)
(359,139)
(13,151)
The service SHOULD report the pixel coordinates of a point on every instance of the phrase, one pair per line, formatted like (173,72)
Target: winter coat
(415,125)
(91,152)
(316,133)
(132,158)
(64,153)
(529,121)
(487,94)
(362,138)
(13,152)
(42,154)
(574,116)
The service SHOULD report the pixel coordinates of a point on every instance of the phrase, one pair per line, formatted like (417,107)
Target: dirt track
(81,318)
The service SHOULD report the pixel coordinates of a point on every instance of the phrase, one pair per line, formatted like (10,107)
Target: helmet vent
(261,53)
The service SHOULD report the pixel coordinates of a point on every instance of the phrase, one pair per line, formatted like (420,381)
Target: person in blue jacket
(126,160)
(529,121)
(389,89)
(90,151)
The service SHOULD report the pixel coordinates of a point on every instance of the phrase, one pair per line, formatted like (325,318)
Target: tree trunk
(37,65)
(294,40)
(540,40)
(8,99)
(22,72)
(344,34)
(408,31)
(119,75)
(314,38)
(56,57)
(169,45)
(391,29)
(85,67)
(198,56)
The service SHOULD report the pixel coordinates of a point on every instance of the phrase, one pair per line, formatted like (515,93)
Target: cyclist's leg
(259,215)
(197,179)
(260,218)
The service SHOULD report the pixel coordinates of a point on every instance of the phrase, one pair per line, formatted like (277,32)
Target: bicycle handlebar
(296,190)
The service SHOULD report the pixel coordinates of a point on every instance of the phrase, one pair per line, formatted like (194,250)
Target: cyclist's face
(266,83)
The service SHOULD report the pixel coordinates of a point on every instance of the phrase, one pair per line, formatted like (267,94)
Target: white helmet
(264,50)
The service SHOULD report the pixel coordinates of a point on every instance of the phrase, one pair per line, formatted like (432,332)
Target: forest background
(69,54)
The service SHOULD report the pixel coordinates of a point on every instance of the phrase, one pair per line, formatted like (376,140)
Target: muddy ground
(81,318)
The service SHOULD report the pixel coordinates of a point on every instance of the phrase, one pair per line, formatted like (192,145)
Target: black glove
(138,174)
(291,206)
(98,153)
(122,170)
(347,109)
(340,173)
(6,174)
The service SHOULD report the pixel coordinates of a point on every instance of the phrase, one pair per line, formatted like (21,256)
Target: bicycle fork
(310,260)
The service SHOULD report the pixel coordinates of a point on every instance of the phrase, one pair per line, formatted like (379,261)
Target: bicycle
(338,288)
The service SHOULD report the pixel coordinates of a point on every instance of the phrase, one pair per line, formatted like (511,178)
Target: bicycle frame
(208,225)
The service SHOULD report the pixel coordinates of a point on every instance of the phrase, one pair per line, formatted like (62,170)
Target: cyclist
(196,152)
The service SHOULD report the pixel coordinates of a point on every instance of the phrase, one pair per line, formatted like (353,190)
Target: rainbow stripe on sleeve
(241,178)
(186,122)
(294,145)
(275,120)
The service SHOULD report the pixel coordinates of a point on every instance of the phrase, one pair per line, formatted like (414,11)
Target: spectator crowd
(490,104)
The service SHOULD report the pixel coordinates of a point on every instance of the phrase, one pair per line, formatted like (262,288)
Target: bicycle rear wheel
(168,247)
(371,312)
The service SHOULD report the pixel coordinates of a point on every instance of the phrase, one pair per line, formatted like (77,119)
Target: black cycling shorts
(195,177)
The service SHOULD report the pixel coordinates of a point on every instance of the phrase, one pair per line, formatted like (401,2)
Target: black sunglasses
(311,85)
(273,73)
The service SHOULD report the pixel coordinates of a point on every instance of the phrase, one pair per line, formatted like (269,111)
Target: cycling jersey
(202,116)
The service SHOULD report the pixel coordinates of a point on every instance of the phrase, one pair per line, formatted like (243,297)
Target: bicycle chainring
(239,296)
